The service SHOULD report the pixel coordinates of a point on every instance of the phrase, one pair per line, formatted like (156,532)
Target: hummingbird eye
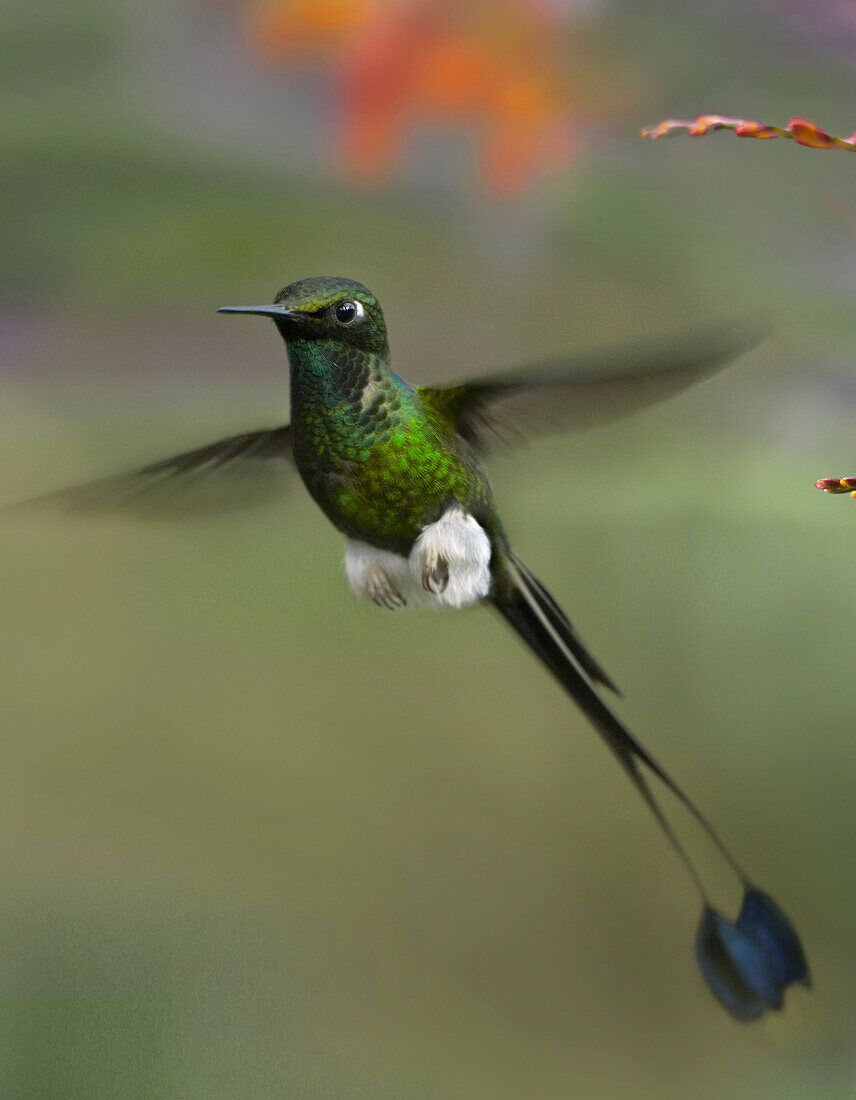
(349,312)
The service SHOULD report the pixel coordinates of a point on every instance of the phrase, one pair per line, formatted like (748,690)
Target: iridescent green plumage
(379,459)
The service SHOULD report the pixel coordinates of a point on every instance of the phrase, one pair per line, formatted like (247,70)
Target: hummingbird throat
(328,372)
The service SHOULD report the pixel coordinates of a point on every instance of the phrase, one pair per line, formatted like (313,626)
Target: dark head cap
(326,308)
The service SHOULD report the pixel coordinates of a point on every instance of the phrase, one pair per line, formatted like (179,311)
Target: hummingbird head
(326,308)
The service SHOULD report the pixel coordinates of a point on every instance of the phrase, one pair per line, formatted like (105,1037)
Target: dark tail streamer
(747,963)
(530,609)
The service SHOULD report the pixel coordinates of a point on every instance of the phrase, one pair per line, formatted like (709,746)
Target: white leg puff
(449,566)
(451,560)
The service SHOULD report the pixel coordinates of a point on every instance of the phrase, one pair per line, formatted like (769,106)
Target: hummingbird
(398,469)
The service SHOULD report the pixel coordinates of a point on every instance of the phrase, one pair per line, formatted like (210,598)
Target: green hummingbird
(398,470)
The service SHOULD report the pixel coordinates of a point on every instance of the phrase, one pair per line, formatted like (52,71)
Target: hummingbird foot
(377,575)
(837,485)
(382,592)
(435,574)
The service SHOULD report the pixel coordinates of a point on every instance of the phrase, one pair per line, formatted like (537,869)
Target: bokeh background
(261,841)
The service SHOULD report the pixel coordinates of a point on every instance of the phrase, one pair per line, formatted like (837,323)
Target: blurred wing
(232,472)
(585,389)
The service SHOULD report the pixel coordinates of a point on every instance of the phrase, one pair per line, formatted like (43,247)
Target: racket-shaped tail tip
(748,964)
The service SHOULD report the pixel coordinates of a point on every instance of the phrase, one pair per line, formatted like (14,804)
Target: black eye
(348,312)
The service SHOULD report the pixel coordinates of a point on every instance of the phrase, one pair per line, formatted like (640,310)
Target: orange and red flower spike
(837,485)
(799,130)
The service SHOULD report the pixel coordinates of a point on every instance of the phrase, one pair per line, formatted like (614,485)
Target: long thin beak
(263,311)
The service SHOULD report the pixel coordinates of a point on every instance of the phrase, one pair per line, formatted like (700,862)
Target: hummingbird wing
(585,389)
(235,471)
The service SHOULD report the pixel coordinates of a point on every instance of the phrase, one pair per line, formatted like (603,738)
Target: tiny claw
(435,574)
(382,592)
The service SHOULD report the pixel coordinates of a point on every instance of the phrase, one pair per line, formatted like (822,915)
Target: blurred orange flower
(492,66)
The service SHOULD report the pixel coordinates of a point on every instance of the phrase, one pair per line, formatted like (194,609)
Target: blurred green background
(262,841)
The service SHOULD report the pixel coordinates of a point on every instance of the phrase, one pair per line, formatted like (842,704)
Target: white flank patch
(449,566)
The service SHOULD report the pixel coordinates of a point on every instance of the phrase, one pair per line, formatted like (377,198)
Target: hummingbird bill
(398,470)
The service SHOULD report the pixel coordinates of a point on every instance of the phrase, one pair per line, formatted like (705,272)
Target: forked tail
(748,963)
(545,628)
